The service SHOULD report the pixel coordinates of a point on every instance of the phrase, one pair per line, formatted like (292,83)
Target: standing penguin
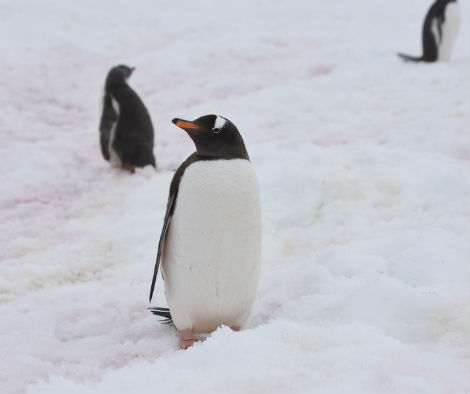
(126,131)
(210,245)
(440,29)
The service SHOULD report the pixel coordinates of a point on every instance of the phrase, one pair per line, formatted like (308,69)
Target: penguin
(126,131)
(440,29)
(210,244)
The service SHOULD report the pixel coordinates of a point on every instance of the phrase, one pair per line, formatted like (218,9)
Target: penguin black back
(126,130)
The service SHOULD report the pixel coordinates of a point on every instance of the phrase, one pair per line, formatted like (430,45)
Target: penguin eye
(216,130)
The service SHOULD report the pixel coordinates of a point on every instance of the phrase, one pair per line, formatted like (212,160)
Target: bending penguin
(126,131)
(210,244)
(440,29)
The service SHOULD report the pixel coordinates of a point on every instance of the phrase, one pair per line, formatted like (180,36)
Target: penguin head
(215,137)
(118,76)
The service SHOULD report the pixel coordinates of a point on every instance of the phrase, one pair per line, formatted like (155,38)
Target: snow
(363,163)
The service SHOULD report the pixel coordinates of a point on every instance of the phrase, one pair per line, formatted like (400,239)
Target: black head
(118,76)
(215,137)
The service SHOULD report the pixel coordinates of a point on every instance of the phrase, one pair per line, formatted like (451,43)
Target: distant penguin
(126,131)
(210,243)
(440,29)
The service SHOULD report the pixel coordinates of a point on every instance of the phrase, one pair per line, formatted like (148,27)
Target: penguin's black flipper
(170,208)
(166,223)
(108,119)
(163,312)
(409,58)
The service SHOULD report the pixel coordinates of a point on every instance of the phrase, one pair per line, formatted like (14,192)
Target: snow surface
(363,164)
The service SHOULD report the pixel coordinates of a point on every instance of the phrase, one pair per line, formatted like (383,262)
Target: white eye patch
(219,123)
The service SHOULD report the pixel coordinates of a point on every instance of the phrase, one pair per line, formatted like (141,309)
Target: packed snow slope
(363,164)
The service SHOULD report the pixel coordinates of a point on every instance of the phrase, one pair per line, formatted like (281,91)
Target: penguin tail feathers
(408,58)
(162,312)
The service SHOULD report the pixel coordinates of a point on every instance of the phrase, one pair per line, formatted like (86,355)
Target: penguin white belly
(212,252)
(449,31)
(114,158)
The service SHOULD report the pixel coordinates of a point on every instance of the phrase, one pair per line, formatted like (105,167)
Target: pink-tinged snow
(363,164)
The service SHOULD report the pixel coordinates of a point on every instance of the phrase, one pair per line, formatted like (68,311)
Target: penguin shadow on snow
(126,130)
(440,29)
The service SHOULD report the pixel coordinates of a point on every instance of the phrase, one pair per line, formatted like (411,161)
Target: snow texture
(363,164)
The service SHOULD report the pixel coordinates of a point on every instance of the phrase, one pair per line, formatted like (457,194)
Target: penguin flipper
(166,223)
(409,58)
(170,207)
(109,117)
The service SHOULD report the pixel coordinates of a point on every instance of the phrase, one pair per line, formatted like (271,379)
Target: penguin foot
(129,168)
(235,328)
(187,339)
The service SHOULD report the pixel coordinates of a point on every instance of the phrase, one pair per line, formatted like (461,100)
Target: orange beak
(184,124)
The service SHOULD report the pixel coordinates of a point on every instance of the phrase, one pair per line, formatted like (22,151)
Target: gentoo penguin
(210,244)
(440,29)
(126,131)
